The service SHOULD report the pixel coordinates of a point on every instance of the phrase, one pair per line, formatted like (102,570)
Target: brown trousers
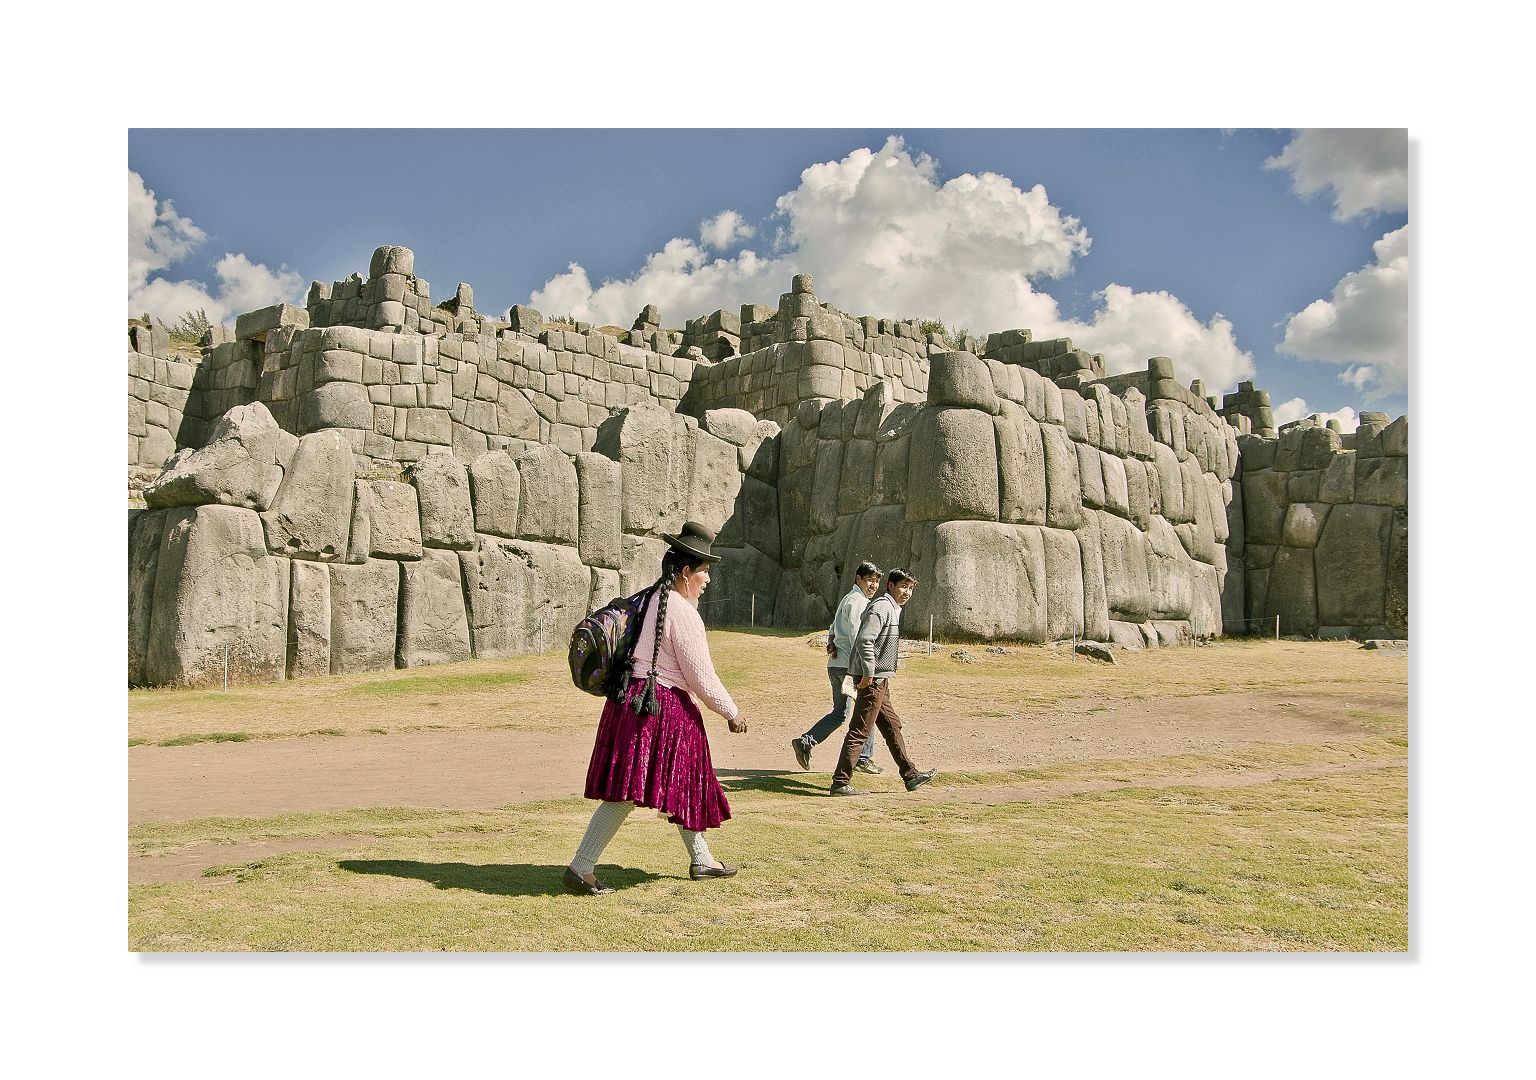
(873,710)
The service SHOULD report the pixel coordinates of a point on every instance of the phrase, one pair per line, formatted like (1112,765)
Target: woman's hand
(737,725)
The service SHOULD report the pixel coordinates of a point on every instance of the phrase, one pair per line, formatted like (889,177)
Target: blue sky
(1276,255)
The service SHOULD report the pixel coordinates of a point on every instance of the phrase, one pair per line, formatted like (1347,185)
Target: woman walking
(651,747)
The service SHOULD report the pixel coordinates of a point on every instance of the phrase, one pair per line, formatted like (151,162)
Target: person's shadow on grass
(497,879)
(770,780)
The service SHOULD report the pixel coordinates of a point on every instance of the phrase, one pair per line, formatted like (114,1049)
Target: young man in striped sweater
(872,663)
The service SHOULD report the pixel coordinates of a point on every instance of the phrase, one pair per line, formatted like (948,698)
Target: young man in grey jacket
(872,662)
(845,623)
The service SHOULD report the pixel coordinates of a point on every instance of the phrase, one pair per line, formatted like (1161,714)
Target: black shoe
(918,779)
(583,884)
(846,789)
(802,751)
(698,871)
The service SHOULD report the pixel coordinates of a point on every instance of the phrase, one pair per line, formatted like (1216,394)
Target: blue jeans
(842,710)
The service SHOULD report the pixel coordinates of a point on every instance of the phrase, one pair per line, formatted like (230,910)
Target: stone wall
(272,555)
(1323,530)
(1029,511)
(372,481)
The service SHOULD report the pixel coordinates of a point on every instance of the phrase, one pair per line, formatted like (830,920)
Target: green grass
(1303,864)
(439,684)
(211,736)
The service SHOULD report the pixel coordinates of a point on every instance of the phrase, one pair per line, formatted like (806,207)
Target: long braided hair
(672,564)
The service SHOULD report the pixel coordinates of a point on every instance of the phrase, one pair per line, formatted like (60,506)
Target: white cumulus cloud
(883,235)
(1366,168)
(1296,408)
(159,237)
(724,229)
(1364,325)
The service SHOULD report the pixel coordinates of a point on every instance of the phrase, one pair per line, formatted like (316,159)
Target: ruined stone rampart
(372,481)
(1323,530)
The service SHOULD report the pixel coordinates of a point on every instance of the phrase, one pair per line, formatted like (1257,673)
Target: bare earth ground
(483,769)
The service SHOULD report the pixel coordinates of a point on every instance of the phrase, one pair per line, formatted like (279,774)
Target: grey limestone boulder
(857,483)
(961,379)
(759,455)
(1063,485)
(1128,590)
(1338,480)
(958,475)
(735,426)
(825,477)
(1397,575)
(146,532)
(360,530)
(216,589)
(1090,542)
(365,605)
(495,488)
(655,458)
(1090,470)
(714,481)
(1352,559)
(1304,524)
(549,504)
(1127,636)
(605,587)
(434,628)
(599,539)
(1170,483)
(394,520)
(242,464)
(983,580)
(1264,502)
(309,620)
(1063,585)
(1020,466)
(742,590)
(523,595)
(1382,481)
(641,564)
(1291,591)
(1117,498)
(311,515)
(442,494)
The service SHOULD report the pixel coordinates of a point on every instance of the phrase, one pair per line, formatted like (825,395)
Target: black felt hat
(693,539)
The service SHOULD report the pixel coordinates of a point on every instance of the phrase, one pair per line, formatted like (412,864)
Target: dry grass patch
(775,675)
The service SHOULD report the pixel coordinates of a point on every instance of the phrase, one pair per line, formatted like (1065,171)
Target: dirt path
(488,768)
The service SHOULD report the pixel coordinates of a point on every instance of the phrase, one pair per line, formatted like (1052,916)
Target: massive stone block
(1126,585)
(735,426)
(743,589)
(1090,471)
(1170,483)
(825,477)
(1063,585)
(442,493)
(1292,591)
(524,596)
(1020,466)
(982,580)
(146,532)
(642,562)
(1169,567)
(394,522)
(495,490)
(1063,486)
(242,464)
(956,478)
(365,606)
(1352,559)
(961,379)
(1304,524)
(1264,506)
(714,480)
(1117,499)
(434,628)
(311,515)
(309,620)
(1382,481)
(1338,483)
(1397,576)
(216,587)
(1090,542)
(857,483)
(599,539)
(642,439)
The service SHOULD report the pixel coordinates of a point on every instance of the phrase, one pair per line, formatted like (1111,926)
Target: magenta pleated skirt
(659,761)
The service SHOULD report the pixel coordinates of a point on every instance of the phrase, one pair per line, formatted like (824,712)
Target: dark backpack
(603,642)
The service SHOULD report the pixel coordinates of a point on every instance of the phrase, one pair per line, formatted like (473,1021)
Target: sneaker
(845,789)
(918,779)
(865,764)
(802,751)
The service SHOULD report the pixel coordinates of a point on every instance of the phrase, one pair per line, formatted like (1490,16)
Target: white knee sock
(698,850)
(605,822)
